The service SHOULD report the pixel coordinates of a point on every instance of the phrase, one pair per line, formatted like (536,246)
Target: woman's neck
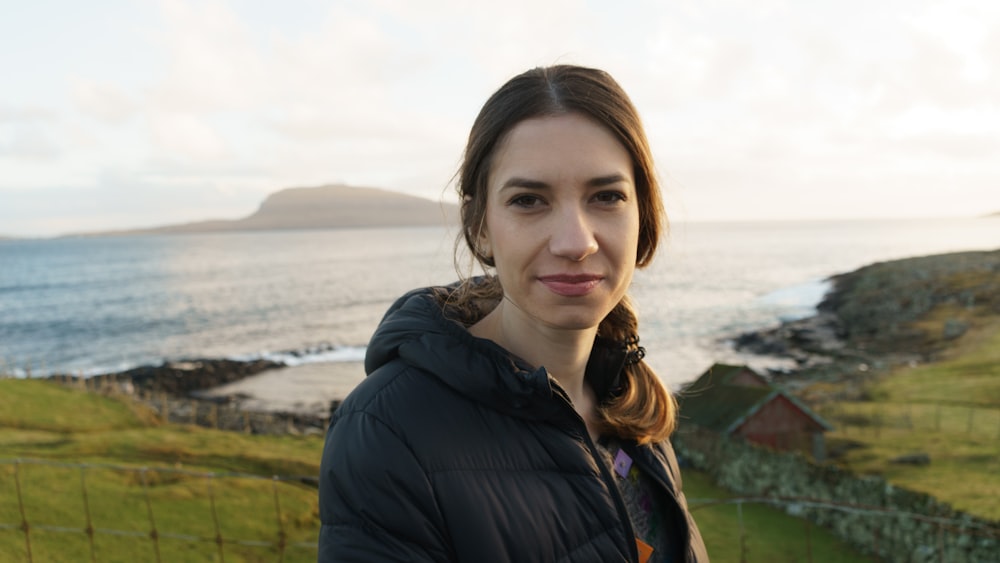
(563,353)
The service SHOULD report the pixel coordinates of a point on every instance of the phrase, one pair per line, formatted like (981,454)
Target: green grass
(769,534)
(63,428)
(949,409)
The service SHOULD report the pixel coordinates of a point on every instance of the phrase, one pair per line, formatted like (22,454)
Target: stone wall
(874,516)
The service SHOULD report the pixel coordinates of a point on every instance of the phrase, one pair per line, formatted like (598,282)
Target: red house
(737,401)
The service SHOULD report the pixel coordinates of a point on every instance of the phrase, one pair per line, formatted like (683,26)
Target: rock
(919,458)
(953,328)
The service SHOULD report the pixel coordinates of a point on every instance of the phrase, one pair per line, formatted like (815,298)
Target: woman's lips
(570,285)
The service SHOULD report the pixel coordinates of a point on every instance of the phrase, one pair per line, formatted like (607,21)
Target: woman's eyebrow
(600,181)
(608,180)
(518,182)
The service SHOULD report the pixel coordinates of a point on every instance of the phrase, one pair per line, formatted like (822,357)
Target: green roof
(718,407)
(718,374)
(711,402)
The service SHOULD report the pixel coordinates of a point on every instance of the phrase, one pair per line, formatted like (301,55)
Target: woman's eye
(526,200)
(609,197)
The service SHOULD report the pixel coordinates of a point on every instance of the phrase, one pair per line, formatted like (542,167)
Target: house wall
(781,425)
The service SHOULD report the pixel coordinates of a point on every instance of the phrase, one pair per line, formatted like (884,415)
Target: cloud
(26,134)
(769,108)
(103,101)
(28,142)
(186,136)
(24,114)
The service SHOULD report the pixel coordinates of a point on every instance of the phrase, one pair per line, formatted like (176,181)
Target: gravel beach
(305,389)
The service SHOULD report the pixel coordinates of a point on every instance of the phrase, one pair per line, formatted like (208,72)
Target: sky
(131,113)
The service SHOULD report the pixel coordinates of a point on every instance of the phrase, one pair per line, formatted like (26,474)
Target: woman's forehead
(567,147)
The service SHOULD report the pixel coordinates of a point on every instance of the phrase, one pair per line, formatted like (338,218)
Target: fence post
(743,535)
(165,406)
(875,540)
(20,505)
(215,517)
(89,530)
(153,534)
(809,548)
(281,524)
(940,538)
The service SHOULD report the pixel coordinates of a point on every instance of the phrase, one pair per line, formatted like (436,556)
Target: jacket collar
(417,331)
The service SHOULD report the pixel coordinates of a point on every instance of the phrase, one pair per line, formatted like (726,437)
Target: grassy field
(66,428)
(949,409)
(88,452)
(768,534)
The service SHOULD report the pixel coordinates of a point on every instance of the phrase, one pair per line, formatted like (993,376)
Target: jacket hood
(417,330)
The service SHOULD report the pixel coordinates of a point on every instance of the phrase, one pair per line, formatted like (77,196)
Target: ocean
(96,305)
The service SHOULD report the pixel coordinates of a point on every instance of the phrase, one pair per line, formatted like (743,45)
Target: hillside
(323,207)
(901,311)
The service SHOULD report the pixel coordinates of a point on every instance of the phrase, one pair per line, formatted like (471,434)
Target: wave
(324,353)
(797,301)
(321,353)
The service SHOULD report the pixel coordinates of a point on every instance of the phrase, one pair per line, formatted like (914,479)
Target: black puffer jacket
(452,450)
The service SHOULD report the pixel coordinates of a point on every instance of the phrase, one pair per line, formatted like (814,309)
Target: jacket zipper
(609,481)
(679,513)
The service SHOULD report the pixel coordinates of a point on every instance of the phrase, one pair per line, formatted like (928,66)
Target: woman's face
(562,221)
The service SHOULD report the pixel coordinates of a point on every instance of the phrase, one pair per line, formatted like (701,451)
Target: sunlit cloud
(764,110)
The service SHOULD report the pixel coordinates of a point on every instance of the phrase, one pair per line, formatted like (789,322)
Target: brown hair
(643,409)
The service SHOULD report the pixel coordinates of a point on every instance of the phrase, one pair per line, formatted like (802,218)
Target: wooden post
(215,519)
(89,530)
(809,549)
(154,535)
(743,535)
(282,537)
(940,541)
(25,527)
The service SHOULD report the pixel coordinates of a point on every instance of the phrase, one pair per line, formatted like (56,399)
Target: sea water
(96,305)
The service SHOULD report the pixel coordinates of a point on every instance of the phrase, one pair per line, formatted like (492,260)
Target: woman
(511,417)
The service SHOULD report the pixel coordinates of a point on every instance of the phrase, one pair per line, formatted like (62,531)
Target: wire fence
(281,529)
(927,547)
(871,418)
(127,503)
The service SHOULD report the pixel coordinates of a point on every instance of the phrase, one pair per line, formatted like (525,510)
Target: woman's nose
(572,236)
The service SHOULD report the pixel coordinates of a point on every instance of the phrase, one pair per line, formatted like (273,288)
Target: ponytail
(642,410)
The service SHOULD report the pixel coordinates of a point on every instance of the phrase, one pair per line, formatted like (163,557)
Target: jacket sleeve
(376,502)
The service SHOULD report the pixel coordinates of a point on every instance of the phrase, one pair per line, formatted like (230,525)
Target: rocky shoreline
(171,389)
(886,314)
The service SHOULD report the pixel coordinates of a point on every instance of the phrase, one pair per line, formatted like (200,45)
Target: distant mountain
(324,207)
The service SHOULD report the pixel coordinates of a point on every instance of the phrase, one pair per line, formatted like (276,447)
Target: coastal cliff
(911,310)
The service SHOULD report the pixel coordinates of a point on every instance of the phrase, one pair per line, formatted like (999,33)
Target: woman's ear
(483,245)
